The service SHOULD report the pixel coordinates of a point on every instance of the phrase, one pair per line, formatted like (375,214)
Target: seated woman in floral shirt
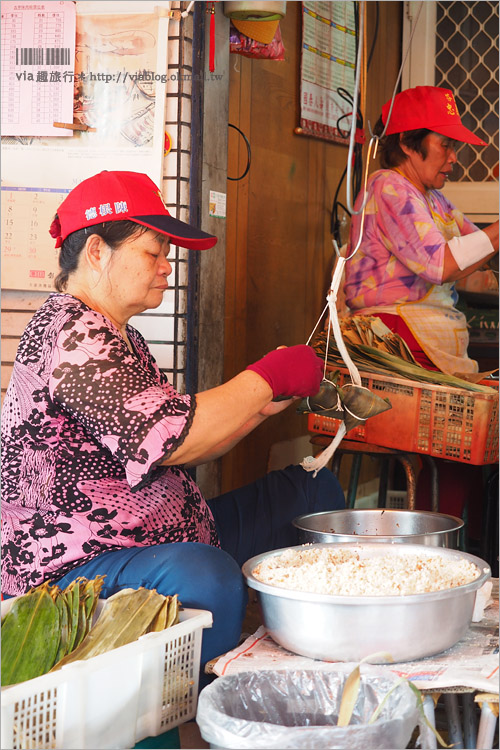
(96,442)
(415,244)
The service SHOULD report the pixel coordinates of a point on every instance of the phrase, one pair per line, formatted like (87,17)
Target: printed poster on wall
(119,90)
(328,64)
(38,45)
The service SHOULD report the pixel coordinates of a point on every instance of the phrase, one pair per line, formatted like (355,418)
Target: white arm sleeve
(470,249)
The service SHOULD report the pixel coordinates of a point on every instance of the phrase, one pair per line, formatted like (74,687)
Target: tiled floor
(191,738)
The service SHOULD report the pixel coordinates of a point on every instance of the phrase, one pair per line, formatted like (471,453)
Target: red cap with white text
(428,107)
(115,196)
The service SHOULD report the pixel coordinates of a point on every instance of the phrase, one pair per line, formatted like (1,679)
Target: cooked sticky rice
(348,573)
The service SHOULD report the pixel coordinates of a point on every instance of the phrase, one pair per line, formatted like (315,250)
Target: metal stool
(358,449)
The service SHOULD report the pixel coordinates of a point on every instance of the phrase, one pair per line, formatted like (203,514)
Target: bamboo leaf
(89,600)
(382,703)
(91,592)
(72,594)
(63,627)
(82,625)
(124,618)
(370,359)
(351,688)
(378,657)
(173,611)
(160,621)
(420,703)
(349,697)
(420,706)
(30,636)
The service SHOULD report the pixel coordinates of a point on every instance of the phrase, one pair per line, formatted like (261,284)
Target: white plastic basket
(394,499)
(397,499)
(113,700)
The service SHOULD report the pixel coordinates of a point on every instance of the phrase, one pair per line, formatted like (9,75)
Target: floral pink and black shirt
(85,423)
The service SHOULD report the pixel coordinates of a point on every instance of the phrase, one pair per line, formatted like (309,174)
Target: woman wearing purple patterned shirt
(96,443)
(415,244)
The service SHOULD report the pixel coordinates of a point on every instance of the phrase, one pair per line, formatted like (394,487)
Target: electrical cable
(249,153)
(357,86)
(357,172)
(375,35)
(185,13)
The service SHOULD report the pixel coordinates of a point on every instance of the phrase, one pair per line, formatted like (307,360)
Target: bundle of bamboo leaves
(375,348)
(49,627)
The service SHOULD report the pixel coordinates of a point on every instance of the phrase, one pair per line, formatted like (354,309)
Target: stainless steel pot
(345,628)
(380,525)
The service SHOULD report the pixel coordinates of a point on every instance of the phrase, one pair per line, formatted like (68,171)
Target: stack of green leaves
(49,627)
(44,625)
(373,350)
(126,616)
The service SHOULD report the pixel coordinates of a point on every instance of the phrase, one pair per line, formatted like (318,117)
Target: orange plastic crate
(451,423)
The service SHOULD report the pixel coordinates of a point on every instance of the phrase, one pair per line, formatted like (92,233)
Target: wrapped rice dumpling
(353,404)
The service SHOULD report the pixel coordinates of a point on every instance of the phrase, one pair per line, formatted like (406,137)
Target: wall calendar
(29,258)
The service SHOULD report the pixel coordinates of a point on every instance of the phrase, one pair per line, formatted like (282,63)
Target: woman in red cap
(96,443)
(415,244)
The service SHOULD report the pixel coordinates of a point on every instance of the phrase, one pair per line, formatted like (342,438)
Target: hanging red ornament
(211,51)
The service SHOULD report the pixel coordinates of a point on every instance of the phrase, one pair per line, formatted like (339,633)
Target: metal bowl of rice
(351,601)
(380,525)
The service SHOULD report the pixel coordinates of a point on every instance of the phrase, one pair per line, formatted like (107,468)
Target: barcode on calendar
(43,56)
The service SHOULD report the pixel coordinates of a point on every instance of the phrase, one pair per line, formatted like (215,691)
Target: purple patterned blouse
(402,250)
(85,424)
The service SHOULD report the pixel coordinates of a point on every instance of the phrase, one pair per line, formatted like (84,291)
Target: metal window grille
(165,327)
(467,63)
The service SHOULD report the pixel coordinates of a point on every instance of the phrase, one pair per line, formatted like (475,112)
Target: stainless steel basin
(351,628)
(380,525)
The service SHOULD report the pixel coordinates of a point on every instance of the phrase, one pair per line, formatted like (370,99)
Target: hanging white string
(354,123)
(315,464)
(317,324)
(311,463)
(373,144)
(185,13)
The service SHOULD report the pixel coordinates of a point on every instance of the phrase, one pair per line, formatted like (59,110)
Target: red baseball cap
(428,107)
(115,196)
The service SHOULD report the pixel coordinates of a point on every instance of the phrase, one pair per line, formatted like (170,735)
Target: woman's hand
(291,371)
(278,405)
